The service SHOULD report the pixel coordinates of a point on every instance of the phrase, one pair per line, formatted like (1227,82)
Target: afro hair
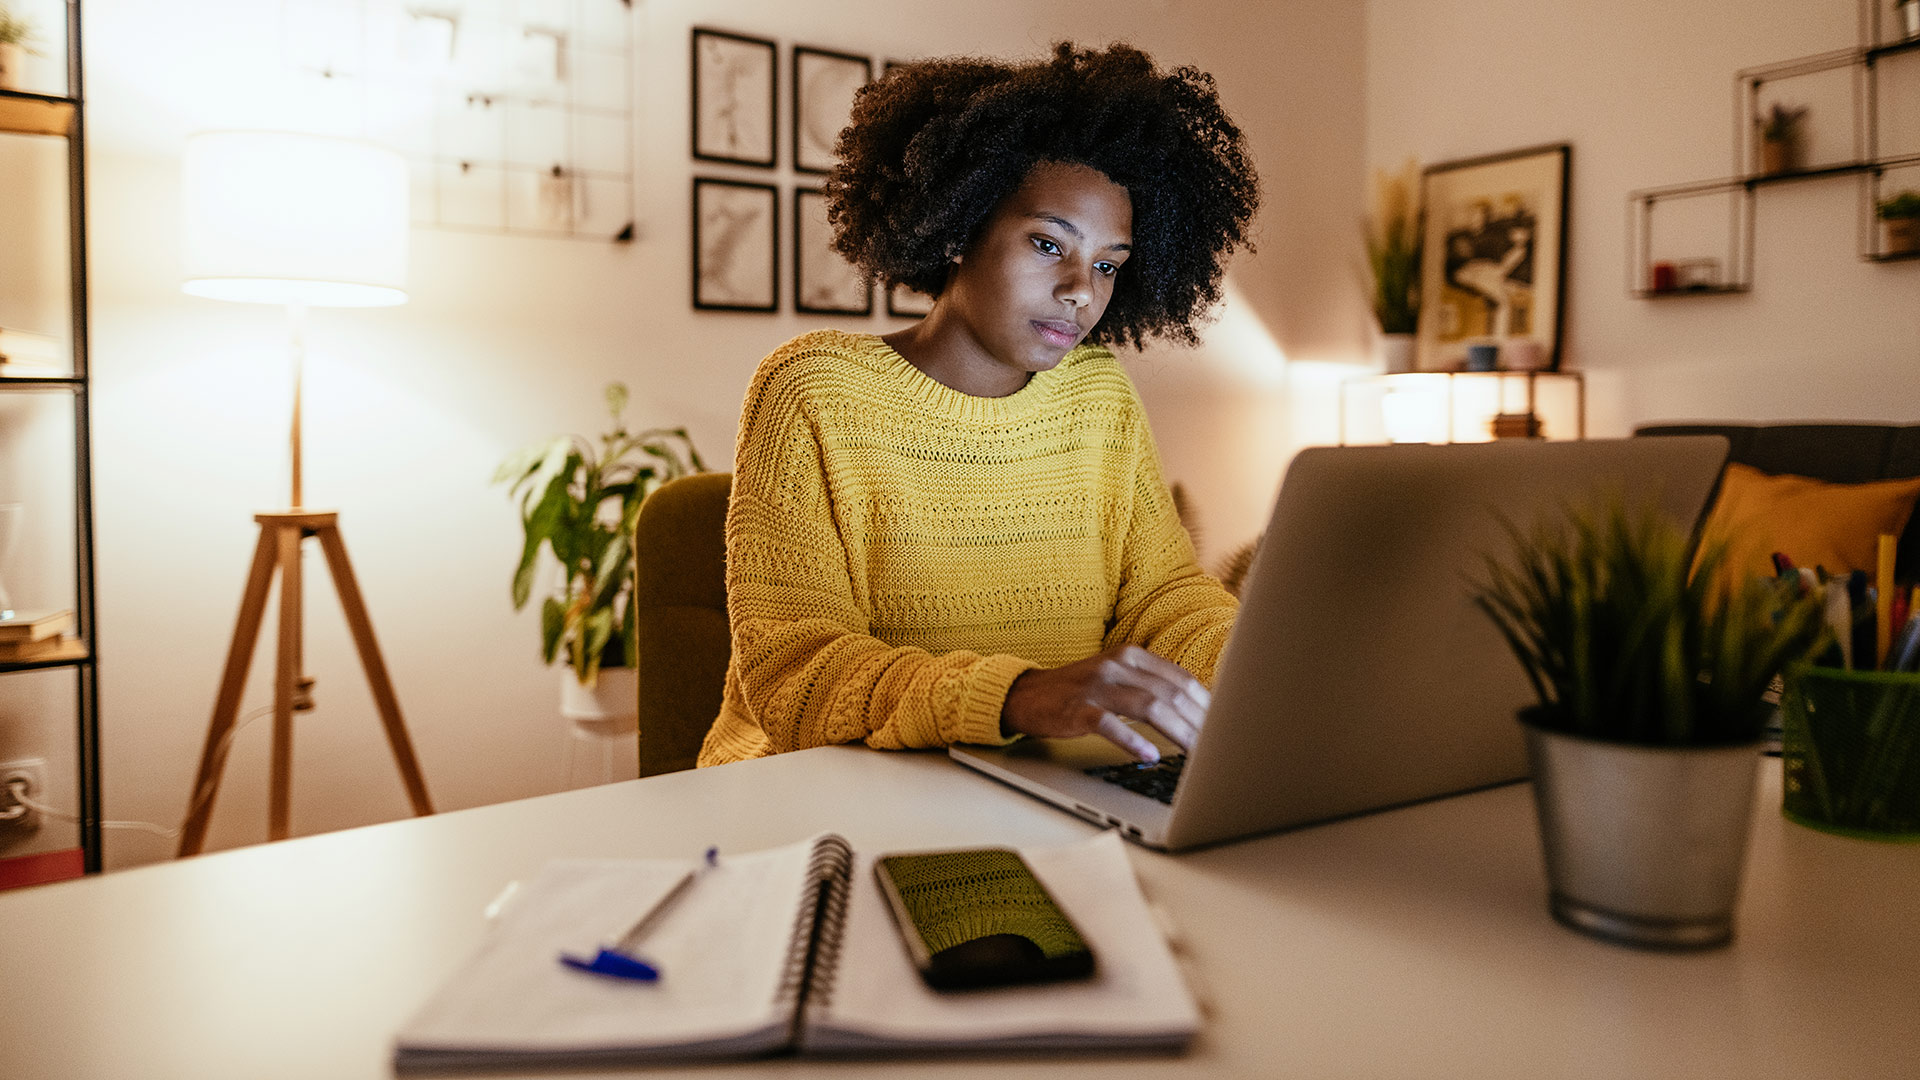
(934,146)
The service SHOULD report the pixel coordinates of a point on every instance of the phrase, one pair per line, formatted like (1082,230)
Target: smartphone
(979,918)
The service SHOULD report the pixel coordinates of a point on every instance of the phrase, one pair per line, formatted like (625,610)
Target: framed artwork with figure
(1493,264)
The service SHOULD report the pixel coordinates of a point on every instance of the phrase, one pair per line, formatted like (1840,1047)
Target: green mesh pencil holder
(1850,752)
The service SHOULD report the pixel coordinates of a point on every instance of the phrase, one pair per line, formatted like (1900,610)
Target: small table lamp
(303,221)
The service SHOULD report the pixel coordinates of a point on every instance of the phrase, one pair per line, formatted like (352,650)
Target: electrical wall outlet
(34,772)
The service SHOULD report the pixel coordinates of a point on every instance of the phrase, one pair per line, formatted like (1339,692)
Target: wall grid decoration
(516,116)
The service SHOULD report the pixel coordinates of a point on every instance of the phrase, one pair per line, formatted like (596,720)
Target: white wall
(1644,93)
(509,339)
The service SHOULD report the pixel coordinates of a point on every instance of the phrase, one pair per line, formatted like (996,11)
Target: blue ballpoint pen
(617,960)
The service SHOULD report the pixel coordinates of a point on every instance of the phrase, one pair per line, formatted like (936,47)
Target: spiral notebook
(786,950)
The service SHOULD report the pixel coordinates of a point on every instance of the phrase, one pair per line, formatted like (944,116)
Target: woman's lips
(1058,332)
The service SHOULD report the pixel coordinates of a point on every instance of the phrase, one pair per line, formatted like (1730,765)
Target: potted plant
(1646,737)
(1909,12)
(1393,238)
(579,501)
(1902,217)
(1780,138)
(16,31)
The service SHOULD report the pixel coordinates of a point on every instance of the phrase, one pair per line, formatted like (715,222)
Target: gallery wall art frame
(728,123)
(736,225)
(824,282)
(1493,267)
(824,82)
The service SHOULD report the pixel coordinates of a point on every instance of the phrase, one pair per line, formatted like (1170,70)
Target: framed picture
(736,246)
(904,303)
(823,87)
(1494,257)
(824,282)
(733,98)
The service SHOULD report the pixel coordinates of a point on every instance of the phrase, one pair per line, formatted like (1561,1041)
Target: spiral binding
(813,949)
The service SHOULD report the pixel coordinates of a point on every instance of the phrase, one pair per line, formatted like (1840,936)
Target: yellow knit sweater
(898,552)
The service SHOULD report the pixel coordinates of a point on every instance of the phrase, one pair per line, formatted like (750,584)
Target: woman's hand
(1100,694)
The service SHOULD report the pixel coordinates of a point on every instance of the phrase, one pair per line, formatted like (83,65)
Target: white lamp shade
(279,218)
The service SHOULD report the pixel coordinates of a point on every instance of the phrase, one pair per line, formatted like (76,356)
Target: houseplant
(579,501)
(1645,741)
(1780,137)
(1393,235)
(1902,217)
(16,31)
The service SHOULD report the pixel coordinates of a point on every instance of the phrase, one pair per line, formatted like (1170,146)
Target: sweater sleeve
(1166,603)
(809,670)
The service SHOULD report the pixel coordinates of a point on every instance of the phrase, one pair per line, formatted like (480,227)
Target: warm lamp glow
(279,218)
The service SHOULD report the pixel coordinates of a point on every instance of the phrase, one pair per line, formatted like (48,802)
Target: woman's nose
(1075,285)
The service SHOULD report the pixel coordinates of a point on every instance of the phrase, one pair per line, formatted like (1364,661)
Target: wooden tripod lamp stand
(299,220)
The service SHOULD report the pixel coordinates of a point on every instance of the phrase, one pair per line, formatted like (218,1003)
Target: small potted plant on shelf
(1393,237)
(16,34)
(1901,215)
(1780,138)
(579,501)
(1646,738)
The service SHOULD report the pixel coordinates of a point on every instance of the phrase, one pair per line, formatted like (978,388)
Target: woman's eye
(1106,268)
(1045,245)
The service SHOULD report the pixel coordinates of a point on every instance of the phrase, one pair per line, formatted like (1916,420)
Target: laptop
(1359,673)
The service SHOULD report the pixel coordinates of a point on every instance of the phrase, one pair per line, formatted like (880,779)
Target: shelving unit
(1456,404)
(33,115)
(1867,162)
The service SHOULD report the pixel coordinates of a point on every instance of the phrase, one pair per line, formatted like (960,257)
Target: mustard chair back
(680,592)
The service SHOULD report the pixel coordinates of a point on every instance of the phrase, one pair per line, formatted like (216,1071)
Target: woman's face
(1040,273)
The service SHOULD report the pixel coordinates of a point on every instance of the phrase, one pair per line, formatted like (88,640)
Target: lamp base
(282,532)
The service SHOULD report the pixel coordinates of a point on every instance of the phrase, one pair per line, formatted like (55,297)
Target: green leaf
(595,629)
(553,620)
(611,572)
(616,396)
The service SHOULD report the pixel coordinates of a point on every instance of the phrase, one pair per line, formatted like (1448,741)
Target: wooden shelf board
(1665,294)
(70,651)
(1901,256)
(35,114)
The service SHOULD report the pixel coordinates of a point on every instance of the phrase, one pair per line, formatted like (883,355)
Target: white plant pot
(1644,845)
(12,61)
(611,706)
(1396,352)
(1910,19)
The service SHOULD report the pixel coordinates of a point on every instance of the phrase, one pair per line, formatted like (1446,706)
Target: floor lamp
(301,221)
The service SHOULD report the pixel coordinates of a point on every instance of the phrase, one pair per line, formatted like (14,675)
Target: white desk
(1413,943)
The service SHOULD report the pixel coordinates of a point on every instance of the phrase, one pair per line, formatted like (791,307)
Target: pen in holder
(1851,752)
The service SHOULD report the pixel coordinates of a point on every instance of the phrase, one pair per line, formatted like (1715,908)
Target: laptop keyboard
(1155,781)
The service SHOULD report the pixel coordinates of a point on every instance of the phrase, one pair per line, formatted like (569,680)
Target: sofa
(1838,453)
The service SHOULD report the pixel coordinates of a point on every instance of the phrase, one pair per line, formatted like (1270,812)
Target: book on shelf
(50,648)
(790,949)
(31,626)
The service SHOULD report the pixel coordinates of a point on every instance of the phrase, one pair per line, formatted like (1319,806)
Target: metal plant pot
(1644,845)
(1903,234)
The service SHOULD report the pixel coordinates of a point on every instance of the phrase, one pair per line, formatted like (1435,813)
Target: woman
(959,532)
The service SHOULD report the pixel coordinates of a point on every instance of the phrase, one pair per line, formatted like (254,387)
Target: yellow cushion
(1813,522)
